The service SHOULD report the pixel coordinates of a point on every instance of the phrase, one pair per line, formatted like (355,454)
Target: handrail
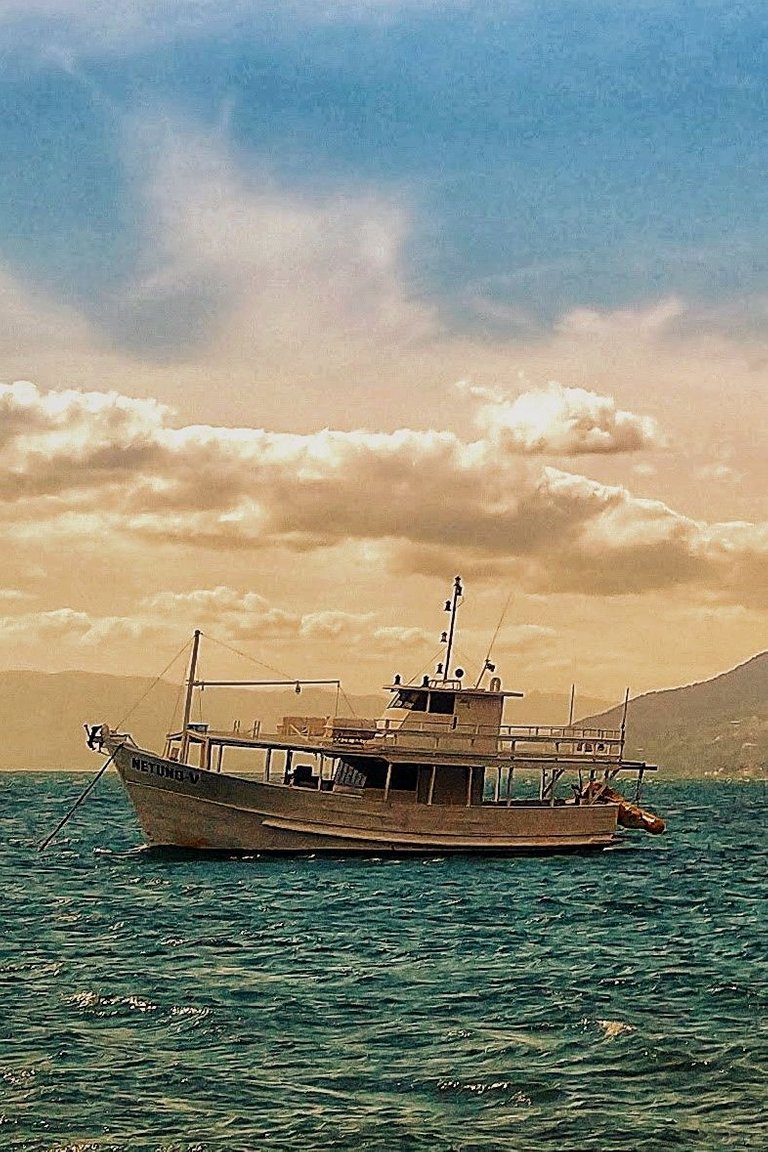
(385,725)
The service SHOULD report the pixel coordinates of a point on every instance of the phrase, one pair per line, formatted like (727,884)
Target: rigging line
(425,668)
(156,680)
(253,660)
(89,788)
(493,638)
(346,700)
(176,706)
(466,657)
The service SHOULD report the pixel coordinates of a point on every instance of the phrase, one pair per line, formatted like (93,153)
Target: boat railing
(443,727)
(537,741)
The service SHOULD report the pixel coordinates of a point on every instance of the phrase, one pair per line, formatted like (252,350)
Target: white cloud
(244,267)
(564,421)
(521,637)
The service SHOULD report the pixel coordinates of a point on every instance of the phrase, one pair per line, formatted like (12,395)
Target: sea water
(615,1001)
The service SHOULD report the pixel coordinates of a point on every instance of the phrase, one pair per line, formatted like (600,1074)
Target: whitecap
(613,1028)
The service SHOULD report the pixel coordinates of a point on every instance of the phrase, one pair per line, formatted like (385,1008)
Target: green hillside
(716,727)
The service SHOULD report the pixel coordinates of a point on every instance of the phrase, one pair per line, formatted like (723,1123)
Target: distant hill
(550,708)
(42,714)
(715,727)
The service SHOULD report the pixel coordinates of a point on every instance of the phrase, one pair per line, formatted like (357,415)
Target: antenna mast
(452,607)
(624,720)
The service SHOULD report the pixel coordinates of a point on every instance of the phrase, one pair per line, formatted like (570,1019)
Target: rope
(176,703)
(44,844)
(89,787)
(425,668)
(252,659)
(346,700)
(154,683)
(493,638)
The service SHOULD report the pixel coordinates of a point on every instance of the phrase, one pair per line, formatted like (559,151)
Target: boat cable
(153,685)
(92,784)
(252,659)
(176,703)
(493,639)
(347,700)
(426,668)
(278,671)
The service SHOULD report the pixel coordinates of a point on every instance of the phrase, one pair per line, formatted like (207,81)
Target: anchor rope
(92,784)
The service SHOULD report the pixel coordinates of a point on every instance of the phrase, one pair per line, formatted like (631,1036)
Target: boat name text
(165,771)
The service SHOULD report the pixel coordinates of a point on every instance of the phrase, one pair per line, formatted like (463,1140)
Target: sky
(307,307)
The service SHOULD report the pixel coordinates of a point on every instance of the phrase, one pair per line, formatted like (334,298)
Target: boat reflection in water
(434,773)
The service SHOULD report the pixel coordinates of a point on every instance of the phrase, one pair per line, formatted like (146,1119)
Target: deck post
(387,783)
(267,765)
(288,762)
(497,788)
(431,792)
(470,781)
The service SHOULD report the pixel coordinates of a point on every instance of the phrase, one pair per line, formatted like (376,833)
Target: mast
(624,723)
(452,607)
(188,697)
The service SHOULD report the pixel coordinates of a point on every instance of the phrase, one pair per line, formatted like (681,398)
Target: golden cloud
(564,422)
(99,463)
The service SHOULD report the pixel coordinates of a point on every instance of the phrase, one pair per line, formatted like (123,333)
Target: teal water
(607,1002)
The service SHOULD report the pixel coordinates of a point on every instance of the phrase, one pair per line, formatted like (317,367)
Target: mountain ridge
(710,727)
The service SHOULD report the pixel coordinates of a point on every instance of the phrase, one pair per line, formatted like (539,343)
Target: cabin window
(441,703)
(411,699)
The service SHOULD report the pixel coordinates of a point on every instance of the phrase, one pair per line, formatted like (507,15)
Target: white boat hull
(179,806)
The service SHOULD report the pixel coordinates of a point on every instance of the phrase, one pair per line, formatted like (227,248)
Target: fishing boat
(437,772)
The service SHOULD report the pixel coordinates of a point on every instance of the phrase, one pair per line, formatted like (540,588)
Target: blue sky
(551,155)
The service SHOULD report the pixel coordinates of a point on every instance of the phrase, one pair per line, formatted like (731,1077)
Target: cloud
(232,255)
(565,422)
(238,616)
(247,616)
(104,465)
(66,625)
(13,595)
(395,638)
(98,27)
(721,473)
(521,637)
